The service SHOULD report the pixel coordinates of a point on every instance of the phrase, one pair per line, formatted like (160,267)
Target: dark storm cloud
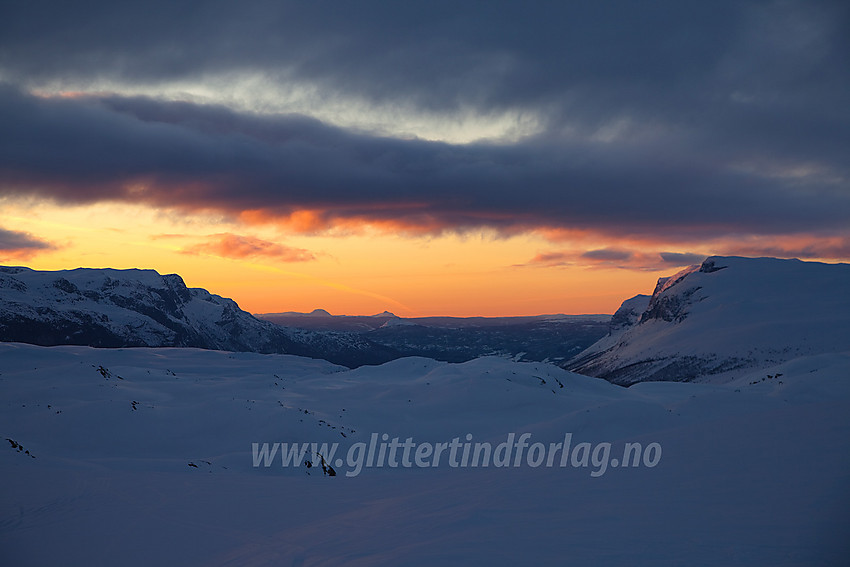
(657,117)
(16,244)
(195,157)
(437,52)
(596,57)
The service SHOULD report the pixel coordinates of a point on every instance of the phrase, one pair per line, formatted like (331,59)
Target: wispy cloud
(21,245)
(803,247)
(607,255)
(614,258)
(227,245)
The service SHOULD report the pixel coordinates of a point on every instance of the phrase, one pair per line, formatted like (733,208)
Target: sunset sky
(426,158)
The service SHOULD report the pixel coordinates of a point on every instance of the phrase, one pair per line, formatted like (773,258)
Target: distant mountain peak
(319,313)
(385,314)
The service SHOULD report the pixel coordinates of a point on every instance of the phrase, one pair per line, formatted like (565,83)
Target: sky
(426,158)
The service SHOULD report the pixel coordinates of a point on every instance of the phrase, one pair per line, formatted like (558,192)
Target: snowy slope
(121,308)
(144,456)
(726,317)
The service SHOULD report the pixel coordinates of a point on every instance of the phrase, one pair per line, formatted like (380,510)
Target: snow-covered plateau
(145,456)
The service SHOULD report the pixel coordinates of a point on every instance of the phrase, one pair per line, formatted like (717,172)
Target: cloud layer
(658,119)
(20,245)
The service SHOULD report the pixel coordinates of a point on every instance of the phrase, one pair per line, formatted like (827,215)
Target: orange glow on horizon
(366,272)
(359,268)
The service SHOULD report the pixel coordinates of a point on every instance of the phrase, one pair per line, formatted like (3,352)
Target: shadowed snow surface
(753,472)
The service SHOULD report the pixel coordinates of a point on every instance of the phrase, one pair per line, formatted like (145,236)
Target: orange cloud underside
(228,245)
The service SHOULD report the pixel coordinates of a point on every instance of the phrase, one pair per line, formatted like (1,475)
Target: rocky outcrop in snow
(628,314)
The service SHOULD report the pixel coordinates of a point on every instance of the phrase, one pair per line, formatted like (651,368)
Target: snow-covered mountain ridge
(724,317)
(123,308)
